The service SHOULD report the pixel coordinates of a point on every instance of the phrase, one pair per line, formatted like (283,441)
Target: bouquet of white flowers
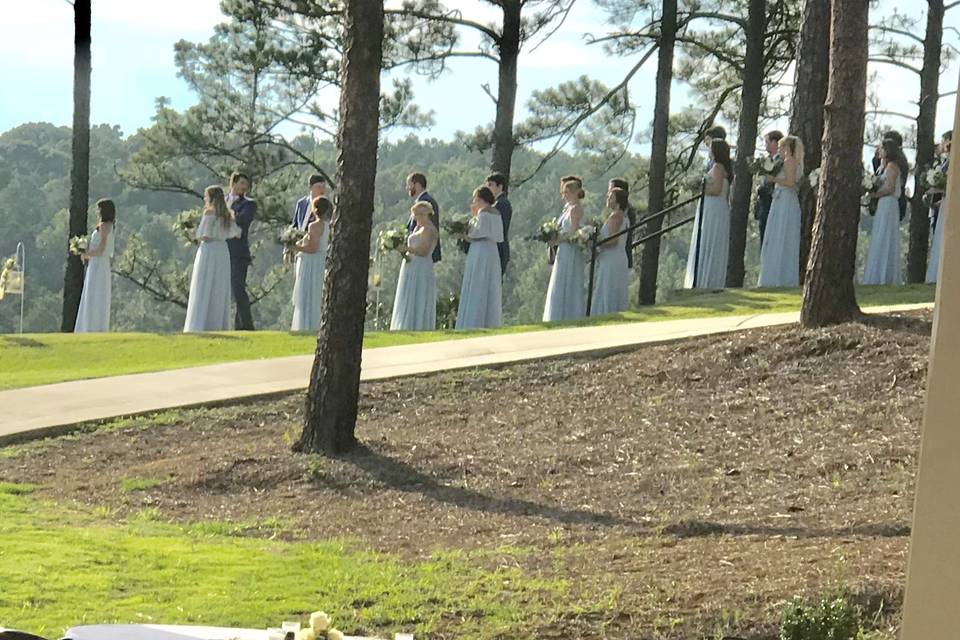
(871,182)
(186,223)
(290,236)
(814,178)
(548,232)
(583,237)
(936,178)
(391,239)
(79,245)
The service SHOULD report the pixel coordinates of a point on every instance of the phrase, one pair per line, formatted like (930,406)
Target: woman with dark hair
(707,259)
(480,293)
(208,307)
(883,256)
(310,268)
(613,275)
(94,312)
(565,299)
(780,252)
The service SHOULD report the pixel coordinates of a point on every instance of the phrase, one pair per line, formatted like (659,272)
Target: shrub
(831,619)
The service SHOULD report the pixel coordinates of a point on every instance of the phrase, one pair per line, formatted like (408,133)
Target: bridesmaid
(415,304)
(613,274)
(707,260)
(480,301)
(94,312)
(208,308)
(780,253)
(565,299)
(883,256)
(310,268)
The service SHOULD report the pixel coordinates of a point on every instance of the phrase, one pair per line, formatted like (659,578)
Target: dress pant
(243,321)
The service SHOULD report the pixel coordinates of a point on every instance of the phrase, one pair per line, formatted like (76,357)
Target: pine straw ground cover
(677,491)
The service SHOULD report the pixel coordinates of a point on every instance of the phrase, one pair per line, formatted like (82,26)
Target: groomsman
(244,211)
(765,190)
(497,183)
(620,183)
(318,188)
(417,188)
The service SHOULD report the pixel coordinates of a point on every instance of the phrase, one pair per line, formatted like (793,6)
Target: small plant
(139,484)
(830,619)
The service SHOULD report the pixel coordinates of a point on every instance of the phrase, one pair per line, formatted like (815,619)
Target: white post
(933,574)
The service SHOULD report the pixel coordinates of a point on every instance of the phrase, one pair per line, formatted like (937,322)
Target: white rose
(333,634)
(306,634)
(319,621)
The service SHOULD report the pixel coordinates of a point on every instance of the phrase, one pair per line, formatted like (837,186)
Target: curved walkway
(36,412)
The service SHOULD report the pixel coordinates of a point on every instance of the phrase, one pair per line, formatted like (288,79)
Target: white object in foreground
(175,632)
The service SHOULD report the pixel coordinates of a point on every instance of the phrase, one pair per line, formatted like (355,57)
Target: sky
(133,65)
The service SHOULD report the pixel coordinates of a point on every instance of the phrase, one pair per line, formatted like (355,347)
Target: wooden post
(933,573)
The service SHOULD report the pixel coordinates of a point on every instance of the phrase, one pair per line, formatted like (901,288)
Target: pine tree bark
(810,94)
(331,405)
(926,141)
(509,50)
(80,167)
(650,253)
(751,97)
(828,293)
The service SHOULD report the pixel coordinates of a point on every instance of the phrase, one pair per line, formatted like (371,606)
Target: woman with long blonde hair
(780,253)
(208,307)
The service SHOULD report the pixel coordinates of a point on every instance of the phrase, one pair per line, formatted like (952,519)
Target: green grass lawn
(35,359)
(61,568)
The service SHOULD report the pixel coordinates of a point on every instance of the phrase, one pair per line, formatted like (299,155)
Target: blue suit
(300,213)
(506,213)
(435,218)
(244,211)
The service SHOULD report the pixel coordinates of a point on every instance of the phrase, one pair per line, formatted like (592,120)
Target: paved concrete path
(51,409)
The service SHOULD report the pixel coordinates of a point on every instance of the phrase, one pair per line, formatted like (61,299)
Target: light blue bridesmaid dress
(208,308)
(308,287)
(565,293)
(94,313)
(612,275)
(712,227)
(883,256)
(780,253)
(480,294)
(415,303)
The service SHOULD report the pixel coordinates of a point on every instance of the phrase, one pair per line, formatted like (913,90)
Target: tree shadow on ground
(403,477)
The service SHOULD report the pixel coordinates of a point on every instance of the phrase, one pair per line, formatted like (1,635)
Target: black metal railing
(636,243)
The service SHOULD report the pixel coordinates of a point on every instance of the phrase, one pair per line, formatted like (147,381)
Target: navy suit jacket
(300,212)
(244,211)
(506,213)
(435,218)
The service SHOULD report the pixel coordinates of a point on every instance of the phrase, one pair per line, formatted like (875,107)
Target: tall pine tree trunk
(80,168)
(331,406)
(650,255)
(828,293)
(751,97)
(503,140)
(926,141)
(809,95)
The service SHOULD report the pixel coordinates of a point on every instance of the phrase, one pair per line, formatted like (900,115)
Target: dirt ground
(710,480)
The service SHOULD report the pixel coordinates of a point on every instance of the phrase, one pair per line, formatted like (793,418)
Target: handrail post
(593,266)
